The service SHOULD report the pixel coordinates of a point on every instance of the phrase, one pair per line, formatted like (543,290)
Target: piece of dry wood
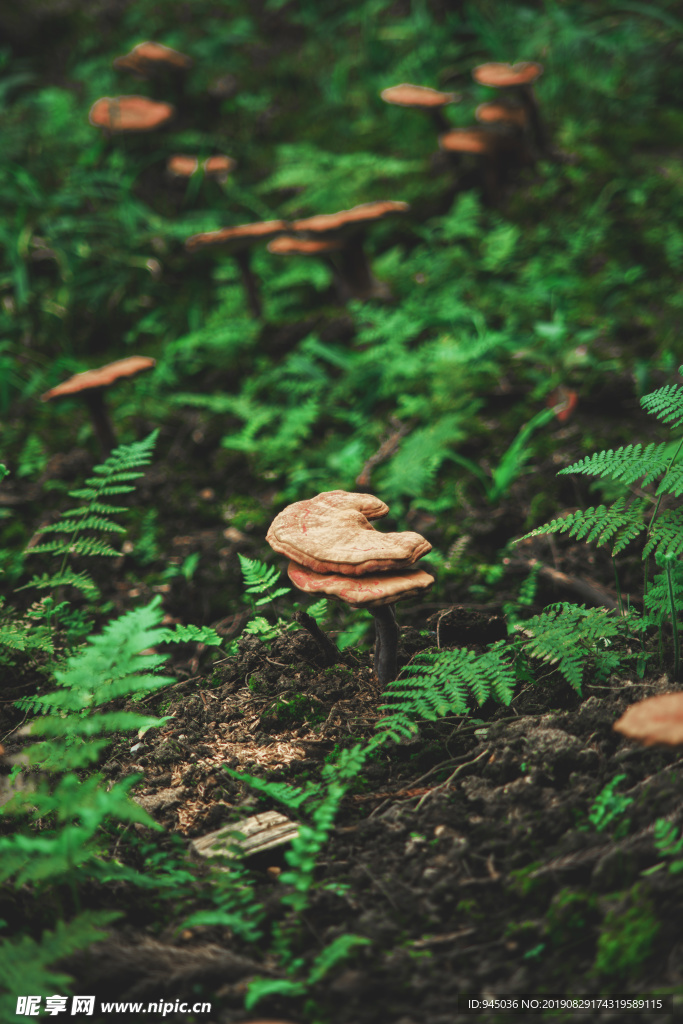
(260,832)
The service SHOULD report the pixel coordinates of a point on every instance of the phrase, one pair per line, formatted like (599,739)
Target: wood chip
(261,832)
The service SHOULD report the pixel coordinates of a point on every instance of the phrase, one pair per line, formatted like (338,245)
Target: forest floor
(466,855)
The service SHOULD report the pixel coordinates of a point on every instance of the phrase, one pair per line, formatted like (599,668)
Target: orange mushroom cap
(145,58)
(289,245)
(499,113)
(371,591)
(420,96)
(331,533)
(654,720)
(219,165)
(364,212)
(181,165)
(129,113)
(239,237)
(100,378)
(468,140)
(502,76)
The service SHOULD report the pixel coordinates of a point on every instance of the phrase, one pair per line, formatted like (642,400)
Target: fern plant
(67,809)
(658,467)
(570,637)
(320,803)
(79,529)
(438,683)
(261,579)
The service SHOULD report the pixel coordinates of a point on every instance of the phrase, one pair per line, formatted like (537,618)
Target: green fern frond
(260,578)
(86,522)
(18,637)
(81,546)
(568,636)
(620,521)
(124,464)
(94,508)
(658,599)
(26,964)
(628,463)
(80,580)
(666,534)
(192,634)
(672,482)
(438,683)
(666,404)
(110,666)
(257,576)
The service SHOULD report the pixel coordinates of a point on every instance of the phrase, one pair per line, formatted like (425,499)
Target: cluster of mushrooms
(336,551)
(508,128)
(510,132)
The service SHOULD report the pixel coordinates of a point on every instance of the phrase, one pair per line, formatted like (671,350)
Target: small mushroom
(290,245)
(518,81)
(90,386)
(183,166)
(238,242)
(654,720)
(335,550)
(421,97)
(356,279)
(148,59)
(120,114)
(501,113)
(378,592)
(492,149)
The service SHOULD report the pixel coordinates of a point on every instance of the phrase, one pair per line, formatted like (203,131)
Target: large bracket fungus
(335,550)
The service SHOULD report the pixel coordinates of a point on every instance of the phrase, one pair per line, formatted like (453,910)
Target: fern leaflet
(621,522)
(438,683)
(568,635)
(111,477)
(666,404)
(628,464)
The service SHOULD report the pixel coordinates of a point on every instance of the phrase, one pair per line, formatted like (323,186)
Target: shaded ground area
(466,855)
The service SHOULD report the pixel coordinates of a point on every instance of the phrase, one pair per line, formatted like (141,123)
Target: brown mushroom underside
(500,113)
(129,113)
(371,591)
(363,213)
(289,245)
(147,57)
(504,76)
(101,377)
(408,95)
(237,237)
(468,140)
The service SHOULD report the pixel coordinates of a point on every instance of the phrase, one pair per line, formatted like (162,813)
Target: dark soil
(465,855)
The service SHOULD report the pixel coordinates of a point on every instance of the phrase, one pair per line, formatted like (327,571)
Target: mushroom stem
(100,420)
(329,651)
(250,282)
(538,133)
(439,120)
(354,274)
(386,643)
